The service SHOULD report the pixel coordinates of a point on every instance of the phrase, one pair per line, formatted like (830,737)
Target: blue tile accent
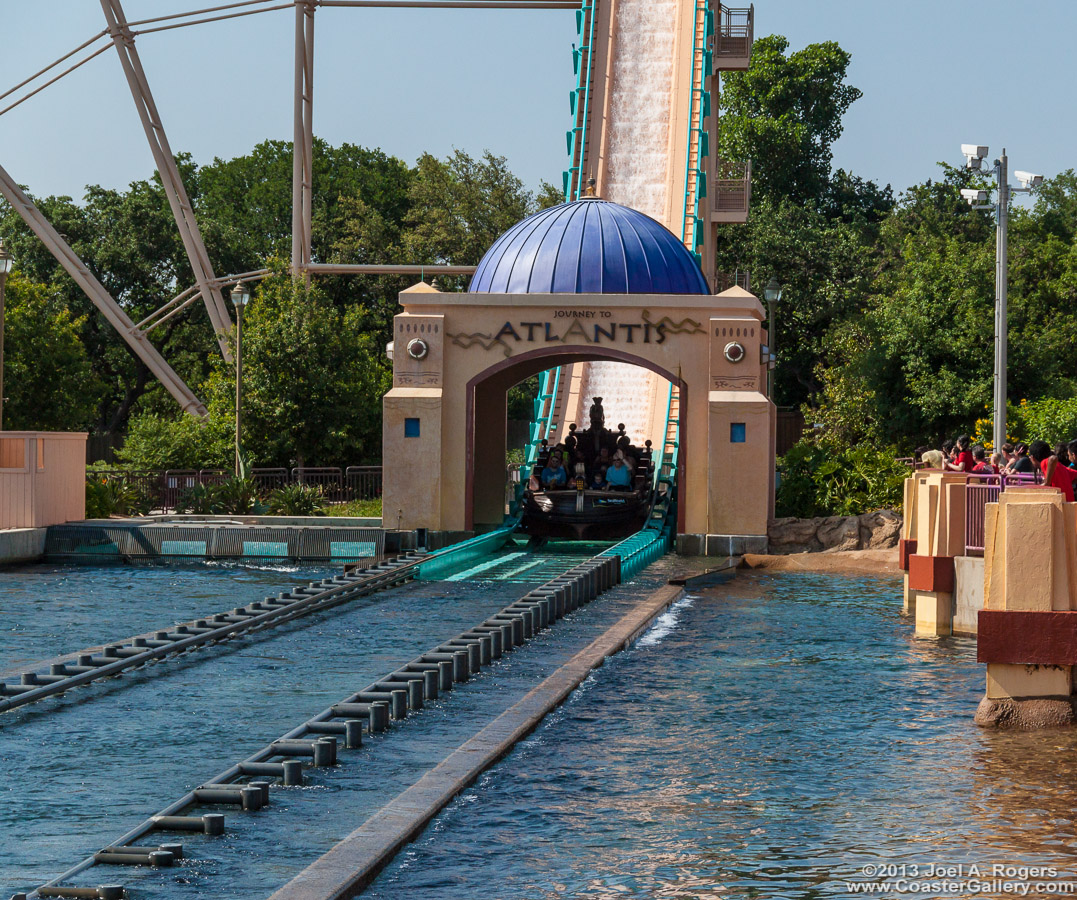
(351,549)
(411,428)
(183,548)
(265,548)
(738,432)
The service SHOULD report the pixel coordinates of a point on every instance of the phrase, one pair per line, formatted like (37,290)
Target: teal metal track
(459,556)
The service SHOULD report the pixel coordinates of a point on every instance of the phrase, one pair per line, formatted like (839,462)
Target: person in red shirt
(982,467)
(964,461)
(1054,474)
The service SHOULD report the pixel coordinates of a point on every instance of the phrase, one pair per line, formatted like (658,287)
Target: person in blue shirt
(553,477)
(618,475)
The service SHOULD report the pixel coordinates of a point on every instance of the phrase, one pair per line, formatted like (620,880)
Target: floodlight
(974,155)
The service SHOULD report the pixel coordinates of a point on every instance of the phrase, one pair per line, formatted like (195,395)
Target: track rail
(116,657)
(246,785)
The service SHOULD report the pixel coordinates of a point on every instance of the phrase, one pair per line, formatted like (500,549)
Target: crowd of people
(1056,468)
(608,469)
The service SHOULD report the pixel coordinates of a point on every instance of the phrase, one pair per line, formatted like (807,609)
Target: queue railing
(979,491)
(363,482)
(162,489)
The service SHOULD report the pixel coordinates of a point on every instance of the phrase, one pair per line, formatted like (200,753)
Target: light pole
(977,199)
(772,293)
(6,260)
(241,295)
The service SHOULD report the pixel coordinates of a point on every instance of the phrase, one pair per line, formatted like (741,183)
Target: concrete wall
(21,545)
(42,478)
(968,593)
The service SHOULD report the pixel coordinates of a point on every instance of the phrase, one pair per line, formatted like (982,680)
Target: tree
(48,380)
(784,113)
(916,363)
(460,206)
(312,380)
(813,229)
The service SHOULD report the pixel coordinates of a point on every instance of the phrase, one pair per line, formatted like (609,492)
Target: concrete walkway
(352,864)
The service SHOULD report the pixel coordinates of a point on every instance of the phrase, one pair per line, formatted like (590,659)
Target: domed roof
(591,246)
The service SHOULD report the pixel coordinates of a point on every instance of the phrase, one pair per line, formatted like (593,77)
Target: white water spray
(641,103)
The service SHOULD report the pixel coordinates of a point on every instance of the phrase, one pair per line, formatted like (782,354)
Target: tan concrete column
(1030,589)
(940,536)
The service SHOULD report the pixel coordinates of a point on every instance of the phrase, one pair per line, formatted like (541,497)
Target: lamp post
(772,293)
(241,296)
(977,199)
(6,260)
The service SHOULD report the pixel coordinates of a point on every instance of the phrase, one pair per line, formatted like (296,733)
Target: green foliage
(323,411)
(784,113)
(356,508)
(184,442)
(235,496)
(914,362)
(199,499)
(48,379)
(460,206)
(813,229)
(296,500)
(107,497)
(825,266)
(1048,419)
(99,503)
(238,497)
(818,481)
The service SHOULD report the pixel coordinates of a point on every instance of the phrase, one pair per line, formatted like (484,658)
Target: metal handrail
(163,487)
(981,489)
(732,185)
(583,88)
(735,32)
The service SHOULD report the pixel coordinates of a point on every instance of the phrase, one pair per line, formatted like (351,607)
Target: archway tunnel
(487,393)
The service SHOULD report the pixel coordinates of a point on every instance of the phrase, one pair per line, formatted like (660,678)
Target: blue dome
(591,246)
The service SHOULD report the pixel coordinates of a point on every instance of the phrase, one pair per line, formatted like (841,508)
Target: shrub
(296,500)
(99,503)
(106,497)
(238,496)
(816,481)
(199,499)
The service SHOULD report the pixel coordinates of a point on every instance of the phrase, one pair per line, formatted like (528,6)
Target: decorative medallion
(418,348)
(734,351)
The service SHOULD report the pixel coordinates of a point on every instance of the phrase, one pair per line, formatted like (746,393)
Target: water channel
(768,738)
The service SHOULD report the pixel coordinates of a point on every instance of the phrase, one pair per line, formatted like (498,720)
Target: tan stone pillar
(907,542)
(1028,628)
(940,536)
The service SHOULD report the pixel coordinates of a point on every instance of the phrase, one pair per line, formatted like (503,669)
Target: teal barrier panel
(451,559)
(640,550)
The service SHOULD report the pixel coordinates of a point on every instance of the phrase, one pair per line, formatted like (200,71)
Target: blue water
(50,610)
(766,739)
(81,769)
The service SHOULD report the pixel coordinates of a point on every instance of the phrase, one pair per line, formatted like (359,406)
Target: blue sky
(935,74)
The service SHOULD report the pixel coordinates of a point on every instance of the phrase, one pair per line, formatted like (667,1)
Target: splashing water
(628,395)
(641,103)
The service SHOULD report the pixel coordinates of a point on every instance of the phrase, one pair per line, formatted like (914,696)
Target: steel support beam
(373,269)
(170,177)
(101,298)
(455,4)
(303,135)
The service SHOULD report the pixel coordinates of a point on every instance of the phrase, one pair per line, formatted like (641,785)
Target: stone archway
(456,354)
(486,394)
